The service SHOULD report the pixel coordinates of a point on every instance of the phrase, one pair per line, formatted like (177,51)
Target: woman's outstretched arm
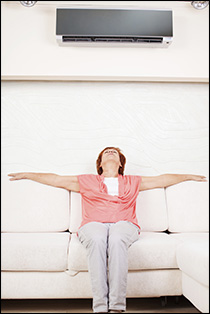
(166,180)
(66,182)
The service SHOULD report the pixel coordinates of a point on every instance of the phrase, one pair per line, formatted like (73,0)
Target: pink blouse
(98,205)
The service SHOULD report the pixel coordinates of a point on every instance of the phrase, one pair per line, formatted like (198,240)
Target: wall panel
(62,126)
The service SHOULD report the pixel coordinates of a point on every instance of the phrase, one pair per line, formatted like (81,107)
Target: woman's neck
(110,172)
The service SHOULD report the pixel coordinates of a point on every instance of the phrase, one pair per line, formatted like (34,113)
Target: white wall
(30,50)
(62,126)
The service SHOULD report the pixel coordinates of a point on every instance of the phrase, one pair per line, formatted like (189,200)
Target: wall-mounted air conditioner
(114,27)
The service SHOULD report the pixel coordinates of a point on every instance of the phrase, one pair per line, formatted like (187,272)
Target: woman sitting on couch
(109,224)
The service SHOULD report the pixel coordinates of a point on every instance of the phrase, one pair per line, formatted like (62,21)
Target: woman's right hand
(17,176)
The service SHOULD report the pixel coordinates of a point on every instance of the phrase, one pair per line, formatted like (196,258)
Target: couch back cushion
(188,207)
(150,210)
(28,206)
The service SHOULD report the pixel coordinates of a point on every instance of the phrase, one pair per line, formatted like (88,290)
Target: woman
(109,224)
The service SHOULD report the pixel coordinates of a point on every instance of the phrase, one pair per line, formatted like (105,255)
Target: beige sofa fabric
(28,206)
(34,251)
(188,207)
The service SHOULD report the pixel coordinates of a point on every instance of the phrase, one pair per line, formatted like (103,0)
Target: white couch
(42,257)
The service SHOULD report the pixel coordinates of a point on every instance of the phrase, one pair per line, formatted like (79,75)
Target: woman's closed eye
(110,151)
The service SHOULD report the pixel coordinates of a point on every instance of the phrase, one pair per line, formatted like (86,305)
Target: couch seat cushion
(34,251)
(184,237)
(193,259)
(153,250)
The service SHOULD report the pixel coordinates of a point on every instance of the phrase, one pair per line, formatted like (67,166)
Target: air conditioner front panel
(115,25)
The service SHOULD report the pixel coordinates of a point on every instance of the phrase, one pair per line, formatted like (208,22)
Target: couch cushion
(28,206)
(193,259)
(153,250)
(188,207)
(189,236)
(150,210)
(34,251)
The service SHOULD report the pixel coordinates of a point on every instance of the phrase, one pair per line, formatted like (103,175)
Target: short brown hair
(122,160)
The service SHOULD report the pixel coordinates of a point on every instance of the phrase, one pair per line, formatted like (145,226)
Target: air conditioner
(114,27)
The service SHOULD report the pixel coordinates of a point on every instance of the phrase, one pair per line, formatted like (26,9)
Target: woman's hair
(122,160)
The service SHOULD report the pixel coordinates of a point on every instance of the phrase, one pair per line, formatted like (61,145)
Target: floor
(142,305)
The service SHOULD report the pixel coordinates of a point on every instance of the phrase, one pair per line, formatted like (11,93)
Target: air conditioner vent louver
(74,39)
(112,39)
(150,40)
(114,27)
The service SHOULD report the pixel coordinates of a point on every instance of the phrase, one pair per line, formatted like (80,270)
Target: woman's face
(111,154)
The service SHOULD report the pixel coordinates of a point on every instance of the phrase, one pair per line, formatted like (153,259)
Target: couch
(42,257)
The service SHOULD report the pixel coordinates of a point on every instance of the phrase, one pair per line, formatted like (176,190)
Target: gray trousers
(107,250)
